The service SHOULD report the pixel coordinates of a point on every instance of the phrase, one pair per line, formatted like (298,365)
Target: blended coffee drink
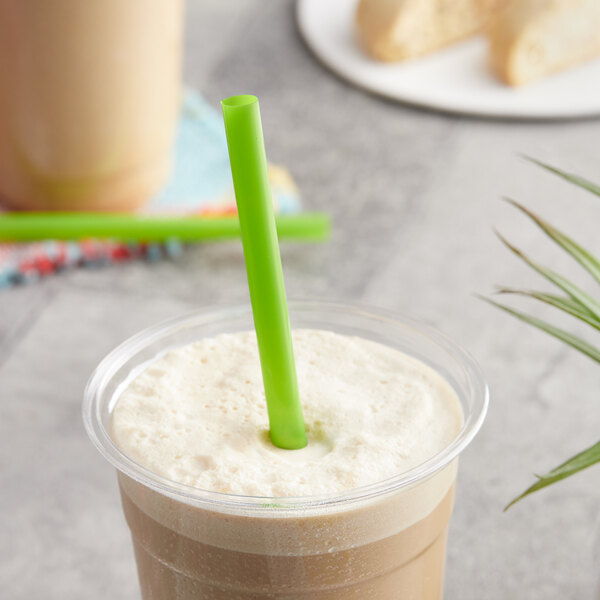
(217,512)
(89,98)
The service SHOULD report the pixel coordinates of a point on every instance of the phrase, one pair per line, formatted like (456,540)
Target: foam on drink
(197,416)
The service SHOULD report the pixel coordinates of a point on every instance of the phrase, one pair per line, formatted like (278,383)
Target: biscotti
(530,39)
(393,30)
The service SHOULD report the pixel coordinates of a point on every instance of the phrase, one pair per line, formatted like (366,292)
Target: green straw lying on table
(27,227)
(263,266)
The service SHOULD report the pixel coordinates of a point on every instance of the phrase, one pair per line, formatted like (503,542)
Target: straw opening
(241,100)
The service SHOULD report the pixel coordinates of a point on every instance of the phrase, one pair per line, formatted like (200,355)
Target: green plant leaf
(561,334)
(580,254)
(562,303)
(575,292)
(570,177)
(583,460)
(578,304)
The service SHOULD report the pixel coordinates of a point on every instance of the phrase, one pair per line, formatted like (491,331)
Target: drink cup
(89,98)
(382,541)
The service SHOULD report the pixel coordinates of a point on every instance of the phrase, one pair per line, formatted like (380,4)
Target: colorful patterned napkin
(200,184)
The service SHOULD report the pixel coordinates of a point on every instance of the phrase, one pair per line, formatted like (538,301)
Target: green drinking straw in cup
(263,266)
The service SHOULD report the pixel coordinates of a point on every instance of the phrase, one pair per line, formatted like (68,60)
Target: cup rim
(91,411)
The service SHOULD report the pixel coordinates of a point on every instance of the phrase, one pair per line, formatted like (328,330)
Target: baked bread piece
(392,30)
(530,39)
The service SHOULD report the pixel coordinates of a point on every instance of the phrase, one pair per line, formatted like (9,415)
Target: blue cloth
(200,183)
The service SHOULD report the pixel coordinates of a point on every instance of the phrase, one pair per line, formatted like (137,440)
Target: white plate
(456,79)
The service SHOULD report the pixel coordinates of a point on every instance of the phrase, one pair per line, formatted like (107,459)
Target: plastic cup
(382,541)
(89,101)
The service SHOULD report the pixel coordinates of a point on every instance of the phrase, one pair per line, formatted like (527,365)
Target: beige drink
(89,96)
(362,512)
(365,553)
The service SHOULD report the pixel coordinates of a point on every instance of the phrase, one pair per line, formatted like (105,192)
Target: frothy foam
(197,415)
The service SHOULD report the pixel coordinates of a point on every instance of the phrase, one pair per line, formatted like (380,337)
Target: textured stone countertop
(415,197)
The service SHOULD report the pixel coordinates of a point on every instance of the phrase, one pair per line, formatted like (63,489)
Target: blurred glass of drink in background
(89,99)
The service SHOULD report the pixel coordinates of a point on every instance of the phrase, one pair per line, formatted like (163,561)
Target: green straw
(25,227)
(263,266)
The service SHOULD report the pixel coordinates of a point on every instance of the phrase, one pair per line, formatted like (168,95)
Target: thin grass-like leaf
(579,304)
(561,334)
(587,260)
(575,292)
(561,302)
(583,460)
(570,177)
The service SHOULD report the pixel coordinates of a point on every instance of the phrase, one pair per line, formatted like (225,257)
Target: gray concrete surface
(415,197)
